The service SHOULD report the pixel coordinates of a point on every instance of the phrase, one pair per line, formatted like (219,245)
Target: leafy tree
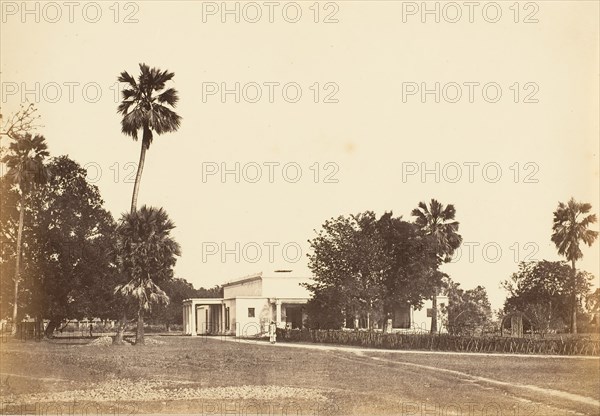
(147,253)
(467,310)
(593,301)
(26,169)
(364,267)
(73,264)
(325,310)
(213,292)
(412,275)
(439,223)
(570,227)
(593,306)
(543,291)
(348,258)
(68,248)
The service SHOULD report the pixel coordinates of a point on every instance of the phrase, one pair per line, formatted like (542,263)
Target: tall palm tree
(147,107)
(571,222)
(439,223)
(26,169)
(147,253)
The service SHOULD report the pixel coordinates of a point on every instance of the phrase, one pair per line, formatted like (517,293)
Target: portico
(203,316)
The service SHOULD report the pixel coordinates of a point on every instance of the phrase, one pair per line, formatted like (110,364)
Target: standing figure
(272,332)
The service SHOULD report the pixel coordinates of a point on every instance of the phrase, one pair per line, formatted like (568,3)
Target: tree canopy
(468,311)
(543,291)
(68,247)
(363,266)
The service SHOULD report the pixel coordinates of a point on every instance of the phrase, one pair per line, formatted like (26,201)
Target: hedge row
(443,342)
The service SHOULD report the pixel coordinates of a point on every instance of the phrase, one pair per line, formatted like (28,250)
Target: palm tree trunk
(138,176)
(18,263)
(434,313)
(574,300)
(136,189)
(139,339)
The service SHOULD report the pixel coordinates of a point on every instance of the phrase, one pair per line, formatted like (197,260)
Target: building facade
(250,303)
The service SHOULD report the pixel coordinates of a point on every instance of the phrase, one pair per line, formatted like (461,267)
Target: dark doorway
(293,316)
(401,317)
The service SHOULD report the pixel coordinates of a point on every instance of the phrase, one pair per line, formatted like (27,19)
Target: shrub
(444,342)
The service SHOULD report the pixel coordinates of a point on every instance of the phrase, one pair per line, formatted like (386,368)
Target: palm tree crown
(570,226)
(439,222)
(145,105)
(25,161)
(147,253)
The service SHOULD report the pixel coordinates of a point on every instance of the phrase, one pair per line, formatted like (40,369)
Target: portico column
(278,312)
(189,315)
(187,319)
(184,319)
(222,318)
(193,319)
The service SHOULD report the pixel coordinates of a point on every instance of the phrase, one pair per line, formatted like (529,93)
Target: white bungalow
(250,303)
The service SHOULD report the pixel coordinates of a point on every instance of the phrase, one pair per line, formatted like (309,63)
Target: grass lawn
(577,376)
(210,376)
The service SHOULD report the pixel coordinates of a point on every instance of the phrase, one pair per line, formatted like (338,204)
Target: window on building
(251,312)
(227,318)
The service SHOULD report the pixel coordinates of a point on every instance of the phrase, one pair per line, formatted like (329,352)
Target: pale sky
(373,142)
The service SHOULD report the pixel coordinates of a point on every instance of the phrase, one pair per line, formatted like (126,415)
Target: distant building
(250,303)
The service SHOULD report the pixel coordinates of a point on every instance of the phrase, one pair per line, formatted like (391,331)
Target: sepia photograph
(300,208)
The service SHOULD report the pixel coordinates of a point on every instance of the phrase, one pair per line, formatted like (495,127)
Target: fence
(34,330)
(24,331)
(444,342)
